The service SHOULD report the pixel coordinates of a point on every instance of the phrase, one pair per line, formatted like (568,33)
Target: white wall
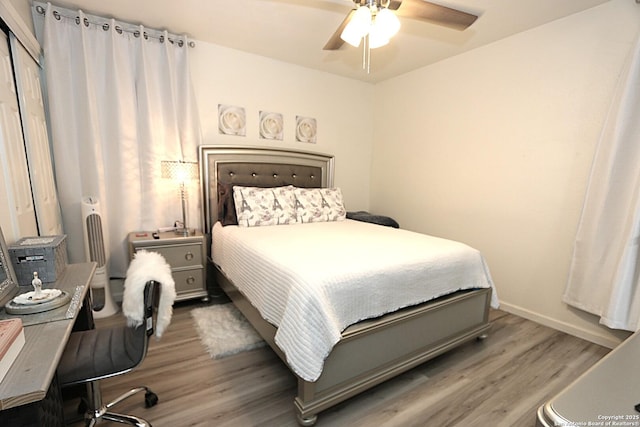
(493,148)
(342,108)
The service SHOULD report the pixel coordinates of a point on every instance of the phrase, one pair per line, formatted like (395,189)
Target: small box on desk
(45,254)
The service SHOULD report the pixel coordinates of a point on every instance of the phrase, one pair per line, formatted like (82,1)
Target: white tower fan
(94,249)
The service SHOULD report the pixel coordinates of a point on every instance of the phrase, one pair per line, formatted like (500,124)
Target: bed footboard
(376,350)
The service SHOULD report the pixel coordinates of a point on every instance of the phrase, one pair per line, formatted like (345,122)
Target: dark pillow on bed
(226,206)
(374,219)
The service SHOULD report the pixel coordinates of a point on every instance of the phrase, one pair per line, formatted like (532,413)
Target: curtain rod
(101,22)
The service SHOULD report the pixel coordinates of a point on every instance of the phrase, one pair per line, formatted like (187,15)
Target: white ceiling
(295,31)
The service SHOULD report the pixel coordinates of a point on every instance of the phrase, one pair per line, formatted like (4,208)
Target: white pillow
(257,206)
(319,204)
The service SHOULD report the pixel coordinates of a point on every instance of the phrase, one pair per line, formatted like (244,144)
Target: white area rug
(224,331)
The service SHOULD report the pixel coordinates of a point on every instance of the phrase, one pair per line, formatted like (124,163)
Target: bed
(348,347)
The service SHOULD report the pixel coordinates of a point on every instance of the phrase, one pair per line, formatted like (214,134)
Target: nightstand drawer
(180,256)
(188,280)
(185,254)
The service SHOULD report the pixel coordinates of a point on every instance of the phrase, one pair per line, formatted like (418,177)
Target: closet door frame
(18,218)
(38,148)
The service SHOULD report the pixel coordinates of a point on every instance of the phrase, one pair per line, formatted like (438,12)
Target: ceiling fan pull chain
(364,52)
(368,54)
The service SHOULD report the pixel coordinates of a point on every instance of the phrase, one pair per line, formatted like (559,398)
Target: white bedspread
(314,280)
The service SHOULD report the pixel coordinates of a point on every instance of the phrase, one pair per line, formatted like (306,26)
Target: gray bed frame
(371,351)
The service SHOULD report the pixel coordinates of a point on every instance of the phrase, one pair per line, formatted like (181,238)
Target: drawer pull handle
(191,280)
(188,256)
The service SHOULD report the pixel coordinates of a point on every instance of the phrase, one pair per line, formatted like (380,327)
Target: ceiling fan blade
(426,11)
(335,42)
(394,4)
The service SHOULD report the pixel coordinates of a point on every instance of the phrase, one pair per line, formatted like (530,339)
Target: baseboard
(584,334)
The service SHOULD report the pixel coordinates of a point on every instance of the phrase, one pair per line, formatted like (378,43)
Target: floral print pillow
(257,206)
(319,204)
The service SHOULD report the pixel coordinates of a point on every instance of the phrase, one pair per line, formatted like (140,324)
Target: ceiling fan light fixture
(351,37)
(377,39)
(358,27)
(387,23)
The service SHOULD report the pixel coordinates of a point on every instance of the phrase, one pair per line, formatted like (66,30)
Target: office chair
(101,353)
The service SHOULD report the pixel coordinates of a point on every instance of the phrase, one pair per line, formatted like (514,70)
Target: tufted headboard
(259,167)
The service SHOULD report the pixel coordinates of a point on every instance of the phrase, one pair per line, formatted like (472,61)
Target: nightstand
(185,254)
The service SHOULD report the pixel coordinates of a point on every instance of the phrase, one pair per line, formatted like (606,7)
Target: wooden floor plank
(500,381)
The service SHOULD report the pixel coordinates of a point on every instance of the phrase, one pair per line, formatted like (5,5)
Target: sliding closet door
(34,125)
(17,213)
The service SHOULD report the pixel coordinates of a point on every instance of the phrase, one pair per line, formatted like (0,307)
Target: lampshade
(178,170)
(358,26)
(387,23)
(377,37)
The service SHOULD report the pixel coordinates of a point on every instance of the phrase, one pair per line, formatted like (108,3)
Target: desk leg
(48,412)
(84,321)
(75,393)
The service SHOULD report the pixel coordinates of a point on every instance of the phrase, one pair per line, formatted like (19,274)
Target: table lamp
(181,172)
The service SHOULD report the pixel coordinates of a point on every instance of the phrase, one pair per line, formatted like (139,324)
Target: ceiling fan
(414,9)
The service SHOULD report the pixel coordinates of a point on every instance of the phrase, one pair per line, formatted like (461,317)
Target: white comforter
(313,280)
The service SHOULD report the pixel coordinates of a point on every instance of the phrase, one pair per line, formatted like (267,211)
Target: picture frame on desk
(8,281)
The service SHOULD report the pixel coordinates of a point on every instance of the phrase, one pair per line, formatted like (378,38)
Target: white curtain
(605,271)
(120,102)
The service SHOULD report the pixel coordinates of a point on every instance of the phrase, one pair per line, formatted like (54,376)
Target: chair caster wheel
(150,399)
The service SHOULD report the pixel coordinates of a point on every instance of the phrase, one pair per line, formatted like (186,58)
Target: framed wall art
(232,120)
(306,129)
(271,126)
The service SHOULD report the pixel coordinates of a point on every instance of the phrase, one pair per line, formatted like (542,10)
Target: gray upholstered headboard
(260,167)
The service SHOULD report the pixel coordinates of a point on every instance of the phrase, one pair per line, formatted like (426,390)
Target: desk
(30,377)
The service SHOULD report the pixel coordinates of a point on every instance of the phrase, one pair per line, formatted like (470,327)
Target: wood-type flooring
(500,381)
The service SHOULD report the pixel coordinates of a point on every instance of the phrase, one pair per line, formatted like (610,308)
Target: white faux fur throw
(144,267)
